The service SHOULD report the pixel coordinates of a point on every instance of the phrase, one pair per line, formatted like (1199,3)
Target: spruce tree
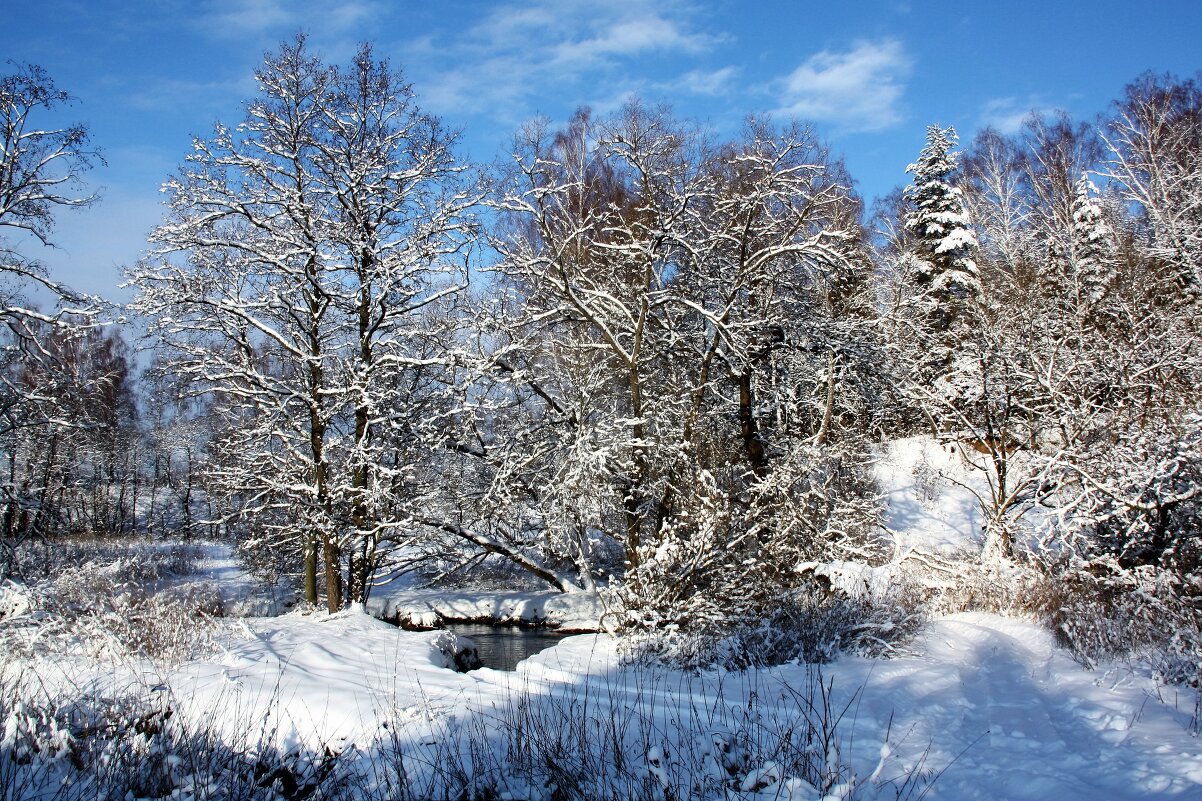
(945,272)
(1093,244)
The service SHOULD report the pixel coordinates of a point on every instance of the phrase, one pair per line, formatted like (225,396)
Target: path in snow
(219,571)
(1014,717)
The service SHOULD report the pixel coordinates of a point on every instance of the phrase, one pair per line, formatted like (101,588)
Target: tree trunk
(311,571)
(752,442)
(362,564)
(354,575)
(332,556)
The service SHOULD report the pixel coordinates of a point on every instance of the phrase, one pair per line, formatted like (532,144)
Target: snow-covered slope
(930,496)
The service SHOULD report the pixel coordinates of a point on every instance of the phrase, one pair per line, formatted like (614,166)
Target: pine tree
(945,272)
(1093,244)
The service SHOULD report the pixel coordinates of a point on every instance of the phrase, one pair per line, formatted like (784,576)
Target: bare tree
(675,326)
(291,278)
(41,173)
(1155,159)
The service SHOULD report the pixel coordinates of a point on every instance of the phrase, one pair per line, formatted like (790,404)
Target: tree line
(632,355)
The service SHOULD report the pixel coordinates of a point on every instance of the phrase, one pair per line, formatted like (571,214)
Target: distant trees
(1155,161)
(51,385)
(293,280)
(1084,333)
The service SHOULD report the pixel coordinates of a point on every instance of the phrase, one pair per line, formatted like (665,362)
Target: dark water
(502,647)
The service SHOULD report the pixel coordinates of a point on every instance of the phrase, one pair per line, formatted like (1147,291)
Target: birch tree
(1155,159)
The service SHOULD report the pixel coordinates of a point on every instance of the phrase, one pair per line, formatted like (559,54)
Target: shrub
(1102,610)
(96,597)
(810,624)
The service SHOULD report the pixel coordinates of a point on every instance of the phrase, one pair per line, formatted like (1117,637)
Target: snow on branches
(302,277)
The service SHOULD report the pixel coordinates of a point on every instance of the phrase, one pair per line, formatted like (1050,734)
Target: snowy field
(989,704)
(977,706)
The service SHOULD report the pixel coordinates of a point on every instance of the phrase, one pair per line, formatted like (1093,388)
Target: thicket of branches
(632,357)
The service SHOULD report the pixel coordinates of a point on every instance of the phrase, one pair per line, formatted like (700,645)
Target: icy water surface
(502,647)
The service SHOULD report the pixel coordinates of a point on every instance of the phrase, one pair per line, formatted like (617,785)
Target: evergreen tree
(945,273)
(1093,244)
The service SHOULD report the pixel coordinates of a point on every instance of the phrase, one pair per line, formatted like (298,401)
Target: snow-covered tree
(41,174)
(946,270)
(680,322)
(999,202)
(1093,244)
(1155,162)
(292,279)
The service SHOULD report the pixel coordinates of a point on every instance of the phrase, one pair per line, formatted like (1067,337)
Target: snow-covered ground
(238,594)
(989,703)
(986,707)
(930,496)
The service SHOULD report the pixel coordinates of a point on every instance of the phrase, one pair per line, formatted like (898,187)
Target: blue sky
(870,76)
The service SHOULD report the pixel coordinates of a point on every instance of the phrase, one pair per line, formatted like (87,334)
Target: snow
(989,707)
(321,679)
(1011,716)
(930,496)
(239,594)
(576,611)
(991,703)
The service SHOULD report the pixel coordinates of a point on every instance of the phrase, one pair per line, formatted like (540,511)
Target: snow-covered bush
(97,598)
(127,560)
(134,745)
(729,579)
(1103,610)
(1123,561)
(811,623)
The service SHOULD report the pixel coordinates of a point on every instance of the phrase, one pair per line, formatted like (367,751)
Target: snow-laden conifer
(1093,243)
(946,270)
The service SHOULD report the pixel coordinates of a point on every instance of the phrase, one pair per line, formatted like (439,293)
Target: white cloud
(858,89)
(254,18)
(627,37)
(242,17)
(705,82)
(523,51)
(1007,114)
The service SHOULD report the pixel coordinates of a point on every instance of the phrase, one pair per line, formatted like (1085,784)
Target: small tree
(1093,245)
